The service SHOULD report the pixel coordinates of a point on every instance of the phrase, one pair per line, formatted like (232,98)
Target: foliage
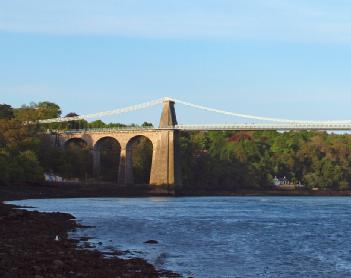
(78,160)
(6,112)
(109,159)
(18,158)
(141,159)
(38,111)
(210,160)
(232,160)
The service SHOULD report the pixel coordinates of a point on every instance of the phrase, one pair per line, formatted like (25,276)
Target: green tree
(6,112)
(48,110)
(141,159)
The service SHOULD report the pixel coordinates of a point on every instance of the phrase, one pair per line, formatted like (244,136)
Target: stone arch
(106,155)
(139,156)
(74,140)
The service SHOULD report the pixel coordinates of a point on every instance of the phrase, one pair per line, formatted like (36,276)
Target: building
(285,184)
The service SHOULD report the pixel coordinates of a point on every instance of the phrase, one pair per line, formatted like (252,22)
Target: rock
(37,268)
(86,245)
(58,263)
(151,241)
(28,249)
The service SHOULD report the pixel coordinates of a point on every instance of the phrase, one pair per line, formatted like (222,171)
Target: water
(222,236)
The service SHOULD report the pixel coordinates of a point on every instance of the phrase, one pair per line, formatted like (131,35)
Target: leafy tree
(146,124)
(28,162)
(6,112)
(141,159)
(48,110)
(75,124)
(109,158)
(79,160)
(97,124)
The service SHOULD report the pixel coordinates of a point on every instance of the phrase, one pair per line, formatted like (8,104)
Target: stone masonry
(165,169)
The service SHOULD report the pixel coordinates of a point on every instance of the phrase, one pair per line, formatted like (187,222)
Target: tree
(6,112)
(48,110)
(141,158)
(97,124)
(75,124)
(32,171)
(79,160)
(146,124)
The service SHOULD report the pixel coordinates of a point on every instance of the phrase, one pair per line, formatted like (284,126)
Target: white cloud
(279,20)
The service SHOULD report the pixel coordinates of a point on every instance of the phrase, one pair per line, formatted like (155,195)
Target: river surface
(221,236)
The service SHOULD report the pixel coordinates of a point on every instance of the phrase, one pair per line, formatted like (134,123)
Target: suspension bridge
(165,168)
(270,122)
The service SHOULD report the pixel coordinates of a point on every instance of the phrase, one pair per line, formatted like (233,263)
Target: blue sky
(278,58)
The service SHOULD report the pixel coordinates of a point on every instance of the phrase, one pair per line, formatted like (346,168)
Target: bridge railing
(112,129)
(279,127)
(215,127)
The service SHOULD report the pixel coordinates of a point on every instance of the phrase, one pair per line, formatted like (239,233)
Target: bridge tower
(165,169)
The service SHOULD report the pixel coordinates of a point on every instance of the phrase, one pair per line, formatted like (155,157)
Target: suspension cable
(106,113)
(246,116)
(205,108)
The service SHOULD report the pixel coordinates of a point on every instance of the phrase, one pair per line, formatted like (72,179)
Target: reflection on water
(222,236)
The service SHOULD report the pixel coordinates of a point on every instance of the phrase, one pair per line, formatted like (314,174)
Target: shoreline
(28,249)
(36,244)
(39,191)
(29,245)
(27,238)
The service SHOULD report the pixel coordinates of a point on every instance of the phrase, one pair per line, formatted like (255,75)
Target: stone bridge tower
(165,167)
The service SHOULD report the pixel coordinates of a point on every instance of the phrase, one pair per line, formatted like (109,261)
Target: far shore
(81,190)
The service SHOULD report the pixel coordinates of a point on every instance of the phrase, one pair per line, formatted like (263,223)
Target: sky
(276,58)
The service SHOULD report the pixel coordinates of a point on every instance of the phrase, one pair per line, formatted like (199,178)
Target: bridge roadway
(222,127)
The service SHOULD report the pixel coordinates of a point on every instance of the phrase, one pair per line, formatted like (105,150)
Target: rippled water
(223,236)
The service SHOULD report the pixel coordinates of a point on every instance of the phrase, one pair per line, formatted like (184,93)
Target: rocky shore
(35,244)
(29,245)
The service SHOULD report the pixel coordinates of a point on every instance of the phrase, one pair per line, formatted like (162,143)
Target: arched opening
(78,159)
(107,152)
(139,150)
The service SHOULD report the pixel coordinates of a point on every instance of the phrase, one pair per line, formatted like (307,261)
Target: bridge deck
(258,127)
(221,127)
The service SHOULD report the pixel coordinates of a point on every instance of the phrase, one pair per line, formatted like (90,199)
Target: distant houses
(285,184)
(52,178)
(49,177)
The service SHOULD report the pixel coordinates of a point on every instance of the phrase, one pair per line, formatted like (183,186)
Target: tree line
(26,153)
(213,160)
(250,160)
